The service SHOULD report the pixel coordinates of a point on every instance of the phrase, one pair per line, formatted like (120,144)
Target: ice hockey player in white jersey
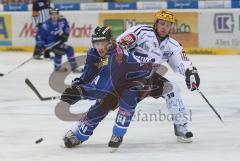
(154,45)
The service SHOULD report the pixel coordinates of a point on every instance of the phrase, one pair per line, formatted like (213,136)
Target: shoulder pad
(44,26)
(174,43)
(92,51)
(61,17)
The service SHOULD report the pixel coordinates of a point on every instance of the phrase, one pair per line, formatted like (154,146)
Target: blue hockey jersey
(49,33)
(96,69)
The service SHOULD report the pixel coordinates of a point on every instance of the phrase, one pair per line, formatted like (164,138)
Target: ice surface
(24,119)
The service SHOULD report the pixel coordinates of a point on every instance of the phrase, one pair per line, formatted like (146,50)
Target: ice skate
(62,69)
(114,143)
(37,57)
(75,70)
(182,133)
(70,140)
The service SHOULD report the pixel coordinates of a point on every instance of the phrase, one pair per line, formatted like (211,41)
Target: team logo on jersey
(143,35)
(167,54)
(142,57)
(56,31)
(104,62)
(144,46)
(155,44)
(145,59)
(162,47)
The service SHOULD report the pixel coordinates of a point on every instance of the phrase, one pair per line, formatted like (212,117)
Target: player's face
(101,47)
(54,17)
(163,28)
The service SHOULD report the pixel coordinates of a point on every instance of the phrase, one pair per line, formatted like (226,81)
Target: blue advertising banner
(235,3)
(182,4)
(121,6)
(67,6)
(15,7)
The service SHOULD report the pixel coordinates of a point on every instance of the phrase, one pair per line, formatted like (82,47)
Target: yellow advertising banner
(5,30)
(185,30)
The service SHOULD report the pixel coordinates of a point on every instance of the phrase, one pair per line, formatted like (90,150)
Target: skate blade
(184,140)
(113,150)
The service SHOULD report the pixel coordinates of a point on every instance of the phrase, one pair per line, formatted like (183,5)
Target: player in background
(40,14)
(56,31)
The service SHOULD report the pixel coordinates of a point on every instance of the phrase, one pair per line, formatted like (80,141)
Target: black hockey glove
(64,38)
(60,49)
(77,81)
(192,78)
(72,95)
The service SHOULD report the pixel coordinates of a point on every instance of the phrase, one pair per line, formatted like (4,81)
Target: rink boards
(205,31)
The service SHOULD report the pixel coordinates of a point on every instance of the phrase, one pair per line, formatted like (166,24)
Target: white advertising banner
(81,28)
(219,29)
(94,6)
(214,4)
(212,31)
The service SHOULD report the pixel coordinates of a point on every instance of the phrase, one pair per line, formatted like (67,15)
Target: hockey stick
(29,83)
(26,61)
(211,106)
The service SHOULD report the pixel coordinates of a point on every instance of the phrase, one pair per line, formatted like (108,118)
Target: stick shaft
(214,110)
(26,61)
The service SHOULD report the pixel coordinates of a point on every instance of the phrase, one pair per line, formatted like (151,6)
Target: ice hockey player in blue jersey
(109,87)
(54,33)
(125,97)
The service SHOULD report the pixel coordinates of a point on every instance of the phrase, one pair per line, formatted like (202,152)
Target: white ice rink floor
(24,119)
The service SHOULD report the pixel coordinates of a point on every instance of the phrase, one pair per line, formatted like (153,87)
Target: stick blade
(29,83)
(34,89)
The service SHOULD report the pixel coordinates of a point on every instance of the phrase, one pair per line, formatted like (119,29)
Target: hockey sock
(95,115)
(57,61)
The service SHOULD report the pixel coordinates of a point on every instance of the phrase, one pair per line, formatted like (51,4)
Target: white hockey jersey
(146,47)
